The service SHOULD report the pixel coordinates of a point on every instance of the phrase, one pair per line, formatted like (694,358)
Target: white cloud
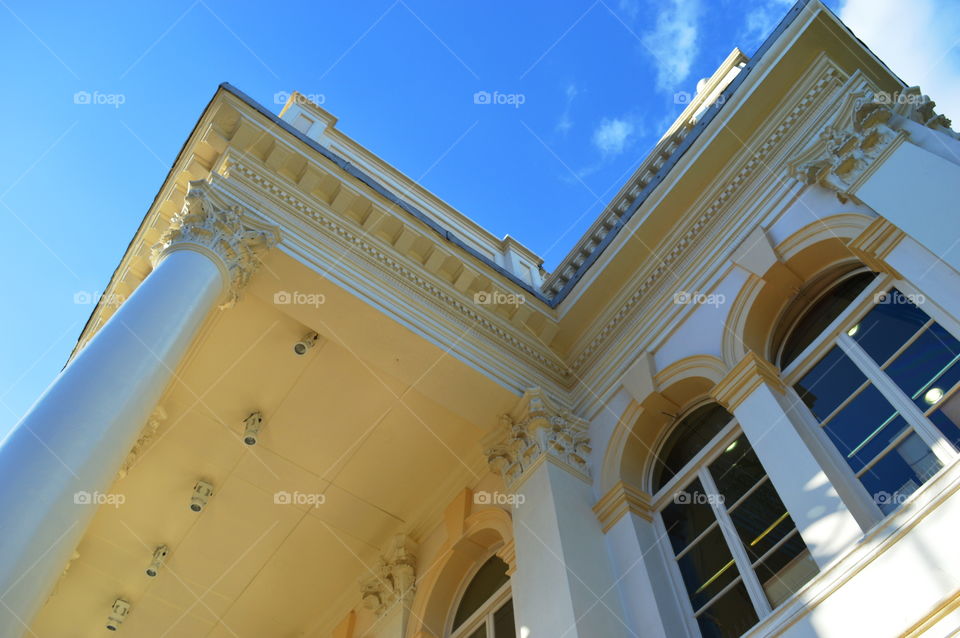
(613,135)
(565,123)
(760,22)
(629,8)
(918,41)
(674,42)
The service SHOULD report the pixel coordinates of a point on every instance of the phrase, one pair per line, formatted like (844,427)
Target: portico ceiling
(383,435)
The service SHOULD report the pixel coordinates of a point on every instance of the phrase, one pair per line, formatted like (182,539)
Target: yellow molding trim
(744,378)
(622,498)
(875,243)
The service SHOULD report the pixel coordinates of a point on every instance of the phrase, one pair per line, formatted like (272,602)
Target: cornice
(725,191)
(619,501)
(745,377)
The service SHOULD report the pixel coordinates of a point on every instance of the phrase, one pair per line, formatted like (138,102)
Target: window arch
(879,372)
(736,550)
(485,609)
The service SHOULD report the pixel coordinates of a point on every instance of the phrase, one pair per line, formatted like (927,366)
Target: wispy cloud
(565,123)
(674,42)
(920,44)
(613,135)
(760,21)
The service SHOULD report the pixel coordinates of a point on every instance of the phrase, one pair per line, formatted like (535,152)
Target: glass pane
(736,470)
(761,521)
(687,439)
(947,419)
(785,572)
(898,474)
(888,325)
(687,516)
(829,383)
(707,568)
(864,427)
(732,615)
(927,360)
(487,581)
(503,622)
(821,313)
(481,632)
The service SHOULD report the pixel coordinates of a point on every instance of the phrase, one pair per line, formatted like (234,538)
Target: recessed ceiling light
(852,331)
(732,446)
(933,395)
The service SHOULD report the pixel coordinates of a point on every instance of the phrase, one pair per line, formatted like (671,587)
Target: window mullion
(898,399)
(740,556)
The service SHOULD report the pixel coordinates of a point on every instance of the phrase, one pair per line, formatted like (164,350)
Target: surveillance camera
(202,492)
(251,428)
(118,614)
(159,556)
(306,343)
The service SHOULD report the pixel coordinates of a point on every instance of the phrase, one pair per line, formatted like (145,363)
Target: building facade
(317,401)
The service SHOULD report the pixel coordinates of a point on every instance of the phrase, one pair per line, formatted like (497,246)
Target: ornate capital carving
(867,125)
(147,434)
(534,430)
(393,578)
(225,232)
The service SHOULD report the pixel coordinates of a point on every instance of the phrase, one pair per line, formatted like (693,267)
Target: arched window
(486,609)
(880,375)
(736,550)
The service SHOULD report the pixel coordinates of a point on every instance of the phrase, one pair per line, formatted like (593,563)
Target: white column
(758,399)
(651,605)
(563,586)
(77,434)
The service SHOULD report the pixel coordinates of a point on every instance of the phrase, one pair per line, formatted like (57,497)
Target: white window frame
(483,615)
(697,468)
(835,334)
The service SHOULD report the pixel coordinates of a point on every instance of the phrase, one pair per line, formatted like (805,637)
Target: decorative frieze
(227,232)
(147,434)
(393,579)
(868,124)
(538,430)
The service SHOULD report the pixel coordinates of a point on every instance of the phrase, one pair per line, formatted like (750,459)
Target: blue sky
(597,80)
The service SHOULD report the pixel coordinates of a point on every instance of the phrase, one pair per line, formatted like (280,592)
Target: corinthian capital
(536,429)
(393,579)
(234,238)
(866,125)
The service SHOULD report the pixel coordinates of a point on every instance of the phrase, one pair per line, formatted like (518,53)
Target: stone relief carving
(228,231)
(393,580)
(866,125)
(539,428)
(147,434)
